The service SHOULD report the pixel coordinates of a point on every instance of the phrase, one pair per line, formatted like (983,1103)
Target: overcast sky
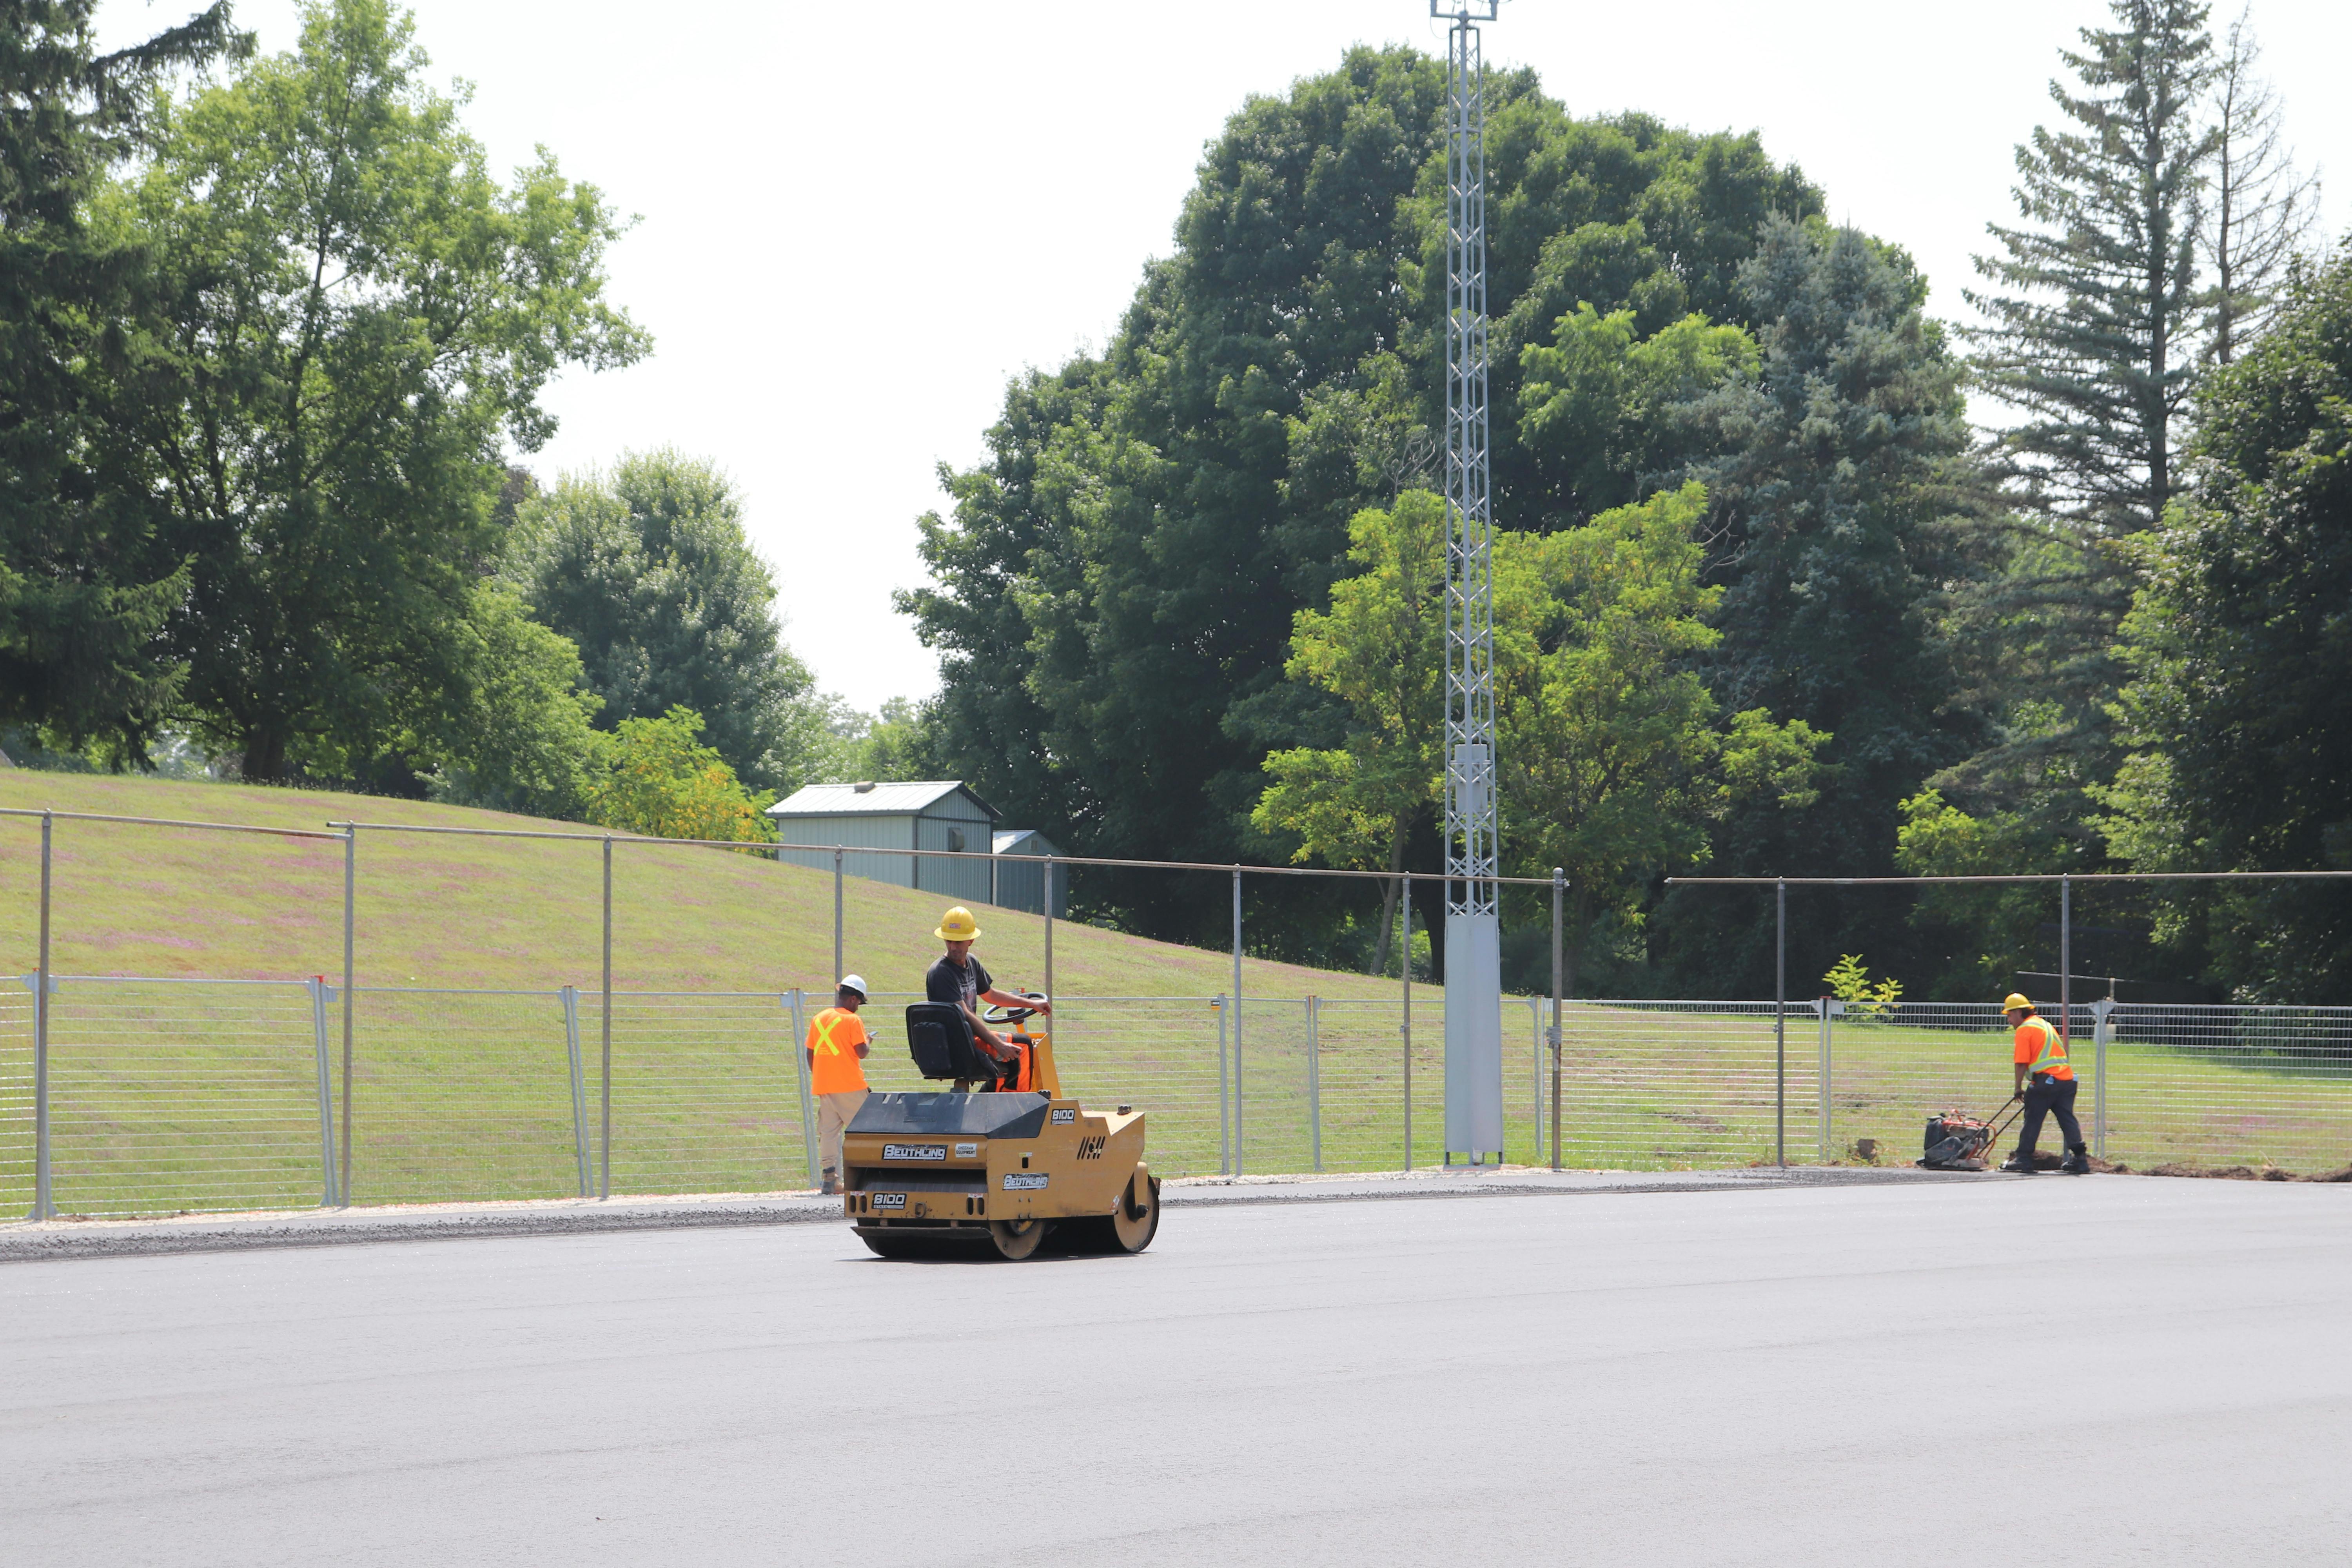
(857,222)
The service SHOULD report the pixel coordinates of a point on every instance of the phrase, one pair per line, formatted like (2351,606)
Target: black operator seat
(939,1039)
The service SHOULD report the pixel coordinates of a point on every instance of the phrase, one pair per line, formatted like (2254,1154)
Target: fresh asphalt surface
(2107,1370)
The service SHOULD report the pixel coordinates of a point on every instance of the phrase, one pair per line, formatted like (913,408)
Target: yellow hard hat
(2016,1003)
(956,926)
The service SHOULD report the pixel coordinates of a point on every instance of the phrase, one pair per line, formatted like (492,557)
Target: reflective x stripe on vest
(829,1053)
(2052,1049)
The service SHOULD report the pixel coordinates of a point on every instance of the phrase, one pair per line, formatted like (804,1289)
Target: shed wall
(959,881)
(879,832)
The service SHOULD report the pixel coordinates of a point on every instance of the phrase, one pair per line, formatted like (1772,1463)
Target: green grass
(504,913)
(206,1096)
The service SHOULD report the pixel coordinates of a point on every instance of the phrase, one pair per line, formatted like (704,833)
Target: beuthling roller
(1001,1164)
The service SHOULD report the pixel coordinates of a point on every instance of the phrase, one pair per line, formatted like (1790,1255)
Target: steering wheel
(994,1013)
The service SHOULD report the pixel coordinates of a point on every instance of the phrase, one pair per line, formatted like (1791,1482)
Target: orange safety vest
(834,1038)
(2038,1044)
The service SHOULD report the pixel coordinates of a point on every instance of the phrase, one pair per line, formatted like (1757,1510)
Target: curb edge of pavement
(60,1243)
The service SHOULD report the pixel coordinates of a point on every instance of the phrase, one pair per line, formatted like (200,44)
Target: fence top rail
(167,822)
(2021,877)
(1432,997)
(172,980)
(765,847)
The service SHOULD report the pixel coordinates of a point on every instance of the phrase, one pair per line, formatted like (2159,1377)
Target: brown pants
(834,1114)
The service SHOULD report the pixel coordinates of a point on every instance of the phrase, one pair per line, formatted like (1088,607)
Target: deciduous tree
(2240,709)
(359,322)
(649,571)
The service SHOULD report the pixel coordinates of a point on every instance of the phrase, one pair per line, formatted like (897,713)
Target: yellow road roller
(999,1166)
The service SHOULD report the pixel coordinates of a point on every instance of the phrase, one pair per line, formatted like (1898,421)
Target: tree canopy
(647,569)
(86,580)
(2239,708)
(1114,589)
(357,320)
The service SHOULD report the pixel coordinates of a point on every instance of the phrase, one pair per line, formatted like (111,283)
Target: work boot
(830,1188)
(2019,1165)
(2077,1163)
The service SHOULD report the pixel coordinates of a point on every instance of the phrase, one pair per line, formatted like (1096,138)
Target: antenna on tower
(1473,958)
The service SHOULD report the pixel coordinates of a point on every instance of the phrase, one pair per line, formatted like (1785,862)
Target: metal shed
(1021,884)
(935,813)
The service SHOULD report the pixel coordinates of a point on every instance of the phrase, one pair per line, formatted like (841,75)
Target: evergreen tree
(2093,314)
(86,582)
(2260,208)
(2093,338)
(1844,503)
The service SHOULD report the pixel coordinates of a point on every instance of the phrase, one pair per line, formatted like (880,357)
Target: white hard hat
(855,982)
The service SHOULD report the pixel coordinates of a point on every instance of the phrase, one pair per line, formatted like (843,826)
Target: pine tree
(2093,323)
(2093,337)
(85,583)
(2260,208)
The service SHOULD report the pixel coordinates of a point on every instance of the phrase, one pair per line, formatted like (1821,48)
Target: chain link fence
(189,1095)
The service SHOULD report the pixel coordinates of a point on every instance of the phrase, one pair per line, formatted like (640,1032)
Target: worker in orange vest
(837,1043)
(2045,1082)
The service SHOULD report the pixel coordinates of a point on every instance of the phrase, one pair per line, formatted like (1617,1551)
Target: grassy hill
(475,1078)
(170,1094)
(493,912)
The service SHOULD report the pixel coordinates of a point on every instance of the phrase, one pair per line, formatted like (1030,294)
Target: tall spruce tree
(2093,339)
(2260,208)
(1845,501)
(2093,312)
(85,584)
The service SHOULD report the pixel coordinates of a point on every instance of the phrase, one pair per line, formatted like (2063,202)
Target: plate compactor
(1957,1143)
(999,1163)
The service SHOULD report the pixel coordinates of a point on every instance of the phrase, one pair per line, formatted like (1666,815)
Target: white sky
(857,223)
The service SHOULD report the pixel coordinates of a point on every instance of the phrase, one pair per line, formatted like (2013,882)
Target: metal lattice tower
(1470,804)
(1473,955)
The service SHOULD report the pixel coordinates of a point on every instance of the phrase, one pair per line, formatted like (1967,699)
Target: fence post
(571,998)
(797,1000)
(1822,1007)
(350,901)
(1049,938)
(42,1208)
(2104,1011)
(1780,1029)
(839,967)
(1314,1077)
(1224,1096)
(1404,968)
(1237,1021)
(2065,959)
(1558,891)
(604,1023)
(318,987)
(1535,1065)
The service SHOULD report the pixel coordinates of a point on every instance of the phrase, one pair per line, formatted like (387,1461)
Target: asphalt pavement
(2106,1369)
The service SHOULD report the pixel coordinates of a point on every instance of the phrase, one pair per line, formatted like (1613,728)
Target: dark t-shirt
(948,982)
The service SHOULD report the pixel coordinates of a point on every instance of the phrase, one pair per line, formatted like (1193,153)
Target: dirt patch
(2244,1172)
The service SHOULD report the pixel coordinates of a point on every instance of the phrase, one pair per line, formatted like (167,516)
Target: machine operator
(958,979)
(2045,1082)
